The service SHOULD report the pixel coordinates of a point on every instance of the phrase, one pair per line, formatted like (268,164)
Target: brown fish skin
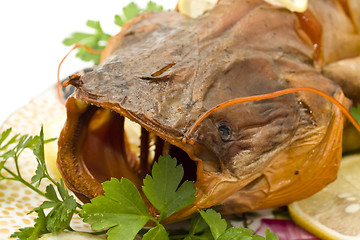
(164,70)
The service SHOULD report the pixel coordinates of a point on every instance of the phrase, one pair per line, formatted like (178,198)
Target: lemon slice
(195,8)
(292,5)
(334,212)
(52,129)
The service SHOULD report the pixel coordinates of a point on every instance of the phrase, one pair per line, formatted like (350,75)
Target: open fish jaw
(166,70)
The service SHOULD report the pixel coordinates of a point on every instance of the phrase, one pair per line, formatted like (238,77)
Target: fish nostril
(225,132)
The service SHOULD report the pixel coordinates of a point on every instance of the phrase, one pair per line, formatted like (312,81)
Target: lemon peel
(334,212)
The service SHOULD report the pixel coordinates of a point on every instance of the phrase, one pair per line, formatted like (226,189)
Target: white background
(31,35)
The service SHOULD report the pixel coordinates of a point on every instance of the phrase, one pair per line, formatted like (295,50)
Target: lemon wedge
(334,212)
(195,8)
(52,129)
(292,5)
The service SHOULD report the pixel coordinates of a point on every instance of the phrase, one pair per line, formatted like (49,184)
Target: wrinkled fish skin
(164,70)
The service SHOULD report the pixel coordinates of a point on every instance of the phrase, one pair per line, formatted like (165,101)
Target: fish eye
(225,132)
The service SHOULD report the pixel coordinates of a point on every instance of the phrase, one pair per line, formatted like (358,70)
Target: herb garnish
(132,10)
(62,211)
(99,38)
(121,211)
(96,41)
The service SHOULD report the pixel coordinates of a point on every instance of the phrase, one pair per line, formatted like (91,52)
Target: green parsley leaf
(24,234)
(153,7)
(32,233)
(216,223)
(51,193)
(162,188)
(199,229)
(222,231)
(24,142)
(37,144)
(62,212)
(198,225)
(121,209)
(237,233)
(96,41)
(270,236)
(118,20)
(21,143)
(156,233)
(132,10)
(3,136)
(39,153)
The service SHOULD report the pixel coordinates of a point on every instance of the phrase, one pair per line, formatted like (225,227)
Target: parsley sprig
(98,38)
(221,230)
(121,211)
(132,10)
(124,212)
(61,210)
(6,153)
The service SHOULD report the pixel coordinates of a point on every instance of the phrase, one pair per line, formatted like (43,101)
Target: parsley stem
(23,181)
(40,225)
(47,175)
(17,165)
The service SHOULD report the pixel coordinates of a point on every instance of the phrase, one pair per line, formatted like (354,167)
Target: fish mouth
(98,143)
